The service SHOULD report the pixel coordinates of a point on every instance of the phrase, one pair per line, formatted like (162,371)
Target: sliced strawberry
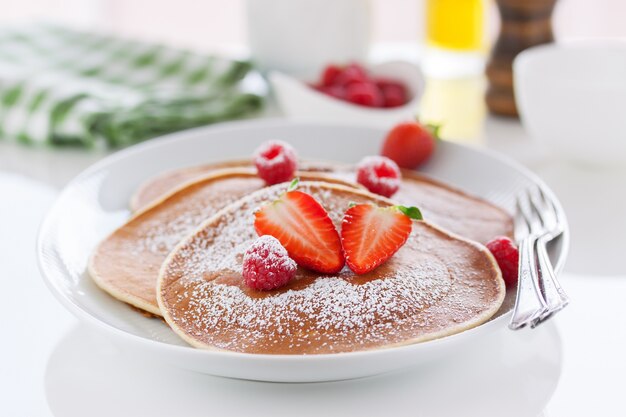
(370,235)
(303,227)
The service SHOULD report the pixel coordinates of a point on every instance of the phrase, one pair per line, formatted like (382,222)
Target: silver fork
(539,294)
(529,304)
(552,223)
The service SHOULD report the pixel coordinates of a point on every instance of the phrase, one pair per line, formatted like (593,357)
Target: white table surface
(594,337)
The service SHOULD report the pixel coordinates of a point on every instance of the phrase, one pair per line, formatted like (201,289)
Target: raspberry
(394,94)
(352,73)
(266,264)
(364,94)
(507,256)
(330,74)
(336,91)
(379,174)
(275,161)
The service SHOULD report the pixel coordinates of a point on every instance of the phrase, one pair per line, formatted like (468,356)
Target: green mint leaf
(412,212)
(294,184)
(351,204)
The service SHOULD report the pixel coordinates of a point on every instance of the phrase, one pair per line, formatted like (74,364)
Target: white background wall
(211,24)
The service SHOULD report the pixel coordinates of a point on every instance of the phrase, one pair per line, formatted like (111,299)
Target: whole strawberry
(410,144)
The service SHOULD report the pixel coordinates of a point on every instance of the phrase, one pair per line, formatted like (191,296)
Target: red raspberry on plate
(379,174)
(507,256)
(275,161)
(266,265)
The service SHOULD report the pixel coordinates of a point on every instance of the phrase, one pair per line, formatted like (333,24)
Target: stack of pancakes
(180,254)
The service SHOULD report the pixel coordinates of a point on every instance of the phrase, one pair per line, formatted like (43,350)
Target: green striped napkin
(62,86)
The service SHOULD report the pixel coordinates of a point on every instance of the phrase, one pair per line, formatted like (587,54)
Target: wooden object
(524,23)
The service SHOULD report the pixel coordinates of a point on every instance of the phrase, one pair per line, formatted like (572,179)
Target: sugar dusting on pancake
(127,262)
(444,205)
(437,284)
(340,308)
(156,187)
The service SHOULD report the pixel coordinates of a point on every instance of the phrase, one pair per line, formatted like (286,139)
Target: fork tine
(525,209)
(553,218)
(520,226)
(533,214)
(558,213)
(540,210)
(545,209)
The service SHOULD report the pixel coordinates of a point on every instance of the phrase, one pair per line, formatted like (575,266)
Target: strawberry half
(303,227)
(370,235)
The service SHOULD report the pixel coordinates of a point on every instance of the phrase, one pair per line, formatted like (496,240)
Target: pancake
(443,205)
(127,262)
(436,285)
(452,209)
(156,187)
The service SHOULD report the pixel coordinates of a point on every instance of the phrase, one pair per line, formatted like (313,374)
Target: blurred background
(211,25)
(451,41)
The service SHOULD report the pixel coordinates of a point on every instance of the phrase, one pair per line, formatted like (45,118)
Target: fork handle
(553,293)
(529,305)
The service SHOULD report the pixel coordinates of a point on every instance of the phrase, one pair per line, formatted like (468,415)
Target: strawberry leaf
(294,184)
(434,129)
(411,212)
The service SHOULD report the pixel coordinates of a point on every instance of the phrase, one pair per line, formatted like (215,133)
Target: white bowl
(572,97)
(96,202)
(301,102)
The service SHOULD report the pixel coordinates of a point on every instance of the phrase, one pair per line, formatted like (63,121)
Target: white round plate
(96,202)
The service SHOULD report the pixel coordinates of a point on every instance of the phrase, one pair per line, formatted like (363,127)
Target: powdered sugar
(161,237)
(268,249)
(330,305)
(315,313)
(166,225)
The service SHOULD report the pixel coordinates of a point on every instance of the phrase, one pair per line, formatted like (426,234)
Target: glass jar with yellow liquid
(454,63)
(455,37)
